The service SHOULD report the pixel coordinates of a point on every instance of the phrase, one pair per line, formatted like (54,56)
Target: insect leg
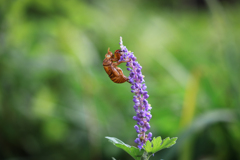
(122,75)
(117,63)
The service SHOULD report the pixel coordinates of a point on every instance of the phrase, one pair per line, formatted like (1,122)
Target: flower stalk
(141,105)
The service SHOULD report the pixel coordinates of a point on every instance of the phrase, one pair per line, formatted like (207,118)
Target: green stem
(145,156)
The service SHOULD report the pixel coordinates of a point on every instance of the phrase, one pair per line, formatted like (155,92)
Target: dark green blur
(57,102)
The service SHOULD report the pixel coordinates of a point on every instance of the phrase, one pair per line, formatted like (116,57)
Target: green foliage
(149,149)
(131,150)
(157,144)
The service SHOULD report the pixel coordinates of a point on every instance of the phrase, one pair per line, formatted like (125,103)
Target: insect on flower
(110,64)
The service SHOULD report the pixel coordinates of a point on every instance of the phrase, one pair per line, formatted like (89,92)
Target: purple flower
(142,107)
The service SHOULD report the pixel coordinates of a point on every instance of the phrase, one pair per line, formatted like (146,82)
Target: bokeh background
(57,102)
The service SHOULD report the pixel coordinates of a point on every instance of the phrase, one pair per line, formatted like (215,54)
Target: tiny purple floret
(142,107)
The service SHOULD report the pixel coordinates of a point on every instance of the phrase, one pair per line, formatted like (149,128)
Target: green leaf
(133,151)
(113,158)
(157,144)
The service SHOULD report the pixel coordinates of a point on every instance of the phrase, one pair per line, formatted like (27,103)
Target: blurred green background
(57,102)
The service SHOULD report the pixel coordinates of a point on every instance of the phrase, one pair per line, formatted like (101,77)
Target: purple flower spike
(142,107)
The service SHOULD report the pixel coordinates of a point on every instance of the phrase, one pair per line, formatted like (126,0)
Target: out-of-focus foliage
(57,102)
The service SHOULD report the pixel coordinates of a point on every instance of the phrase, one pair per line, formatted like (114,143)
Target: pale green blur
(57,102)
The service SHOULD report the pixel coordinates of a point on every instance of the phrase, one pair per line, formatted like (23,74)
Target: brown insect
(110,64)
